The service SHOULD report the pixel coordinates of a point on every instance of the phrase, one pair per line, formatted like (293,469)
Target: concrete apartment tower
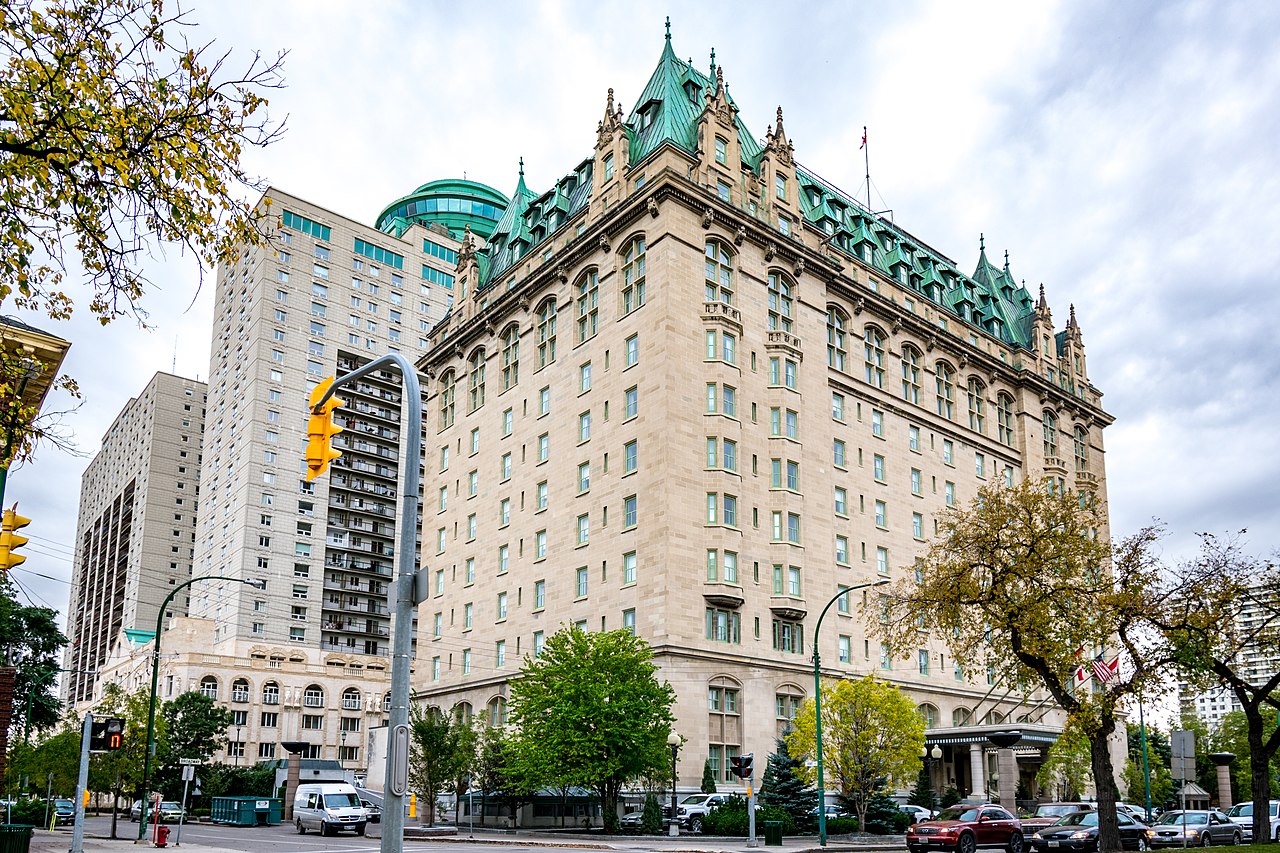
(136,527)
(692,390)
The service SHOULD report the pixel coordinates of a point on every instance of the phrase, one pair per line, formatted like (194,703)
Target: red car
(966,828)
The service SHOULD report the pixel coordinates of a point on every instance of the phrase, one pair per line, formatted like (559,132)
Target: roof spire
(1043,304)
(713,62)
(522,160)
(1071,321)
(668,28)
(780,133)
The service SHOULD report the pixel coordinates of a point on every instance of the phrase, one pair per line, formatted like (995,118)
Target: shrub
(730,818)
(842,825)
(651,817)
(29,812)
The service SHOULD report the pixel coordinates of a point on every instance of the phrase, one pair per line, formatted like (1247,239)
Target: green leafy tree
(871,737)
(1021,581)
(708,778)
(1199,619)
(490,772)
(32,644)
(1067,769)
(923,794)
(196,727)
(590,711)
(120,772)
(1159,756)
(784,786)
(438,744)
(53,763)
(118,136)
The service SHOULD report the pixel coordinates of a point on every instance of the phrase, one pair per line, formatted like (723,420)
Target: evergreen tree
(651,818)
(950,796)
(783,787)
(923,794)
(708,778)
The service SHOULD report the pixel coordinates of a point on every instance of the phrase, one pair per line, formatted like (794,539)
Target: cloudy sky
(1124,154)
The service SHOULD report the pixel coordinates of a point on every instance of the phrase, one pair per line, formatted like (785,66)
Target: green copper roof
(452,202)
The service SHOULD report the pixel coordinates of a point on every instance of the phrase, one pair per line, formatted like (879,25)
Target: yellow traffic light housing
(320,431)
(10,541)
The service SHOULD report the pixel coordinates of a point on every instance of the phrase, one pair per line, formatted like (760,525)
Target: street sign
(1182,743)
(190,762)
(188,773)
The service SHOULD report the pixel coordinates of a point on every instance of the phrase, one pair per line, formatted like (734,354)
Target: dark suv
(967,828)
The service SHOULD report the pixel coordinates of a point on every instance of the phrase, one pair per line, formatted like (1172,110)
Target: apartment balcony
(789,607)
(723,594)
(778,339)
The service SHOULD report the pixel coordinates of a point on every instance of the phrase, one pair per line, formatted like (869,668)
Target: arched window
(351,699)
(510,357)
(928,713)
(1050,428)
(497,711)
(977,406)
(633,276)
(724,725)
(780,303)
(463,712)
(476,370)
(1004,418)
(994,718)
(911,374)
(946,390)
(240,690)
(1082,448)
(313,696)
(446,399)
(719,273)
(588,290)
(786,704)
(836,349)
(547,333)
(961,717)
(873,356)
(209,686)
(271,693)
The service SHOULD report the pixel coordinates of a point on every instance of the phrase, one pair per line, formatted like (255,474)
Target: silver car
(1242,815)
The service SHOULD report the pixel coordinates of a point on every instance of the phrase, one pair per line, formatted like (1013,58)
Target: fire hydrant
(162,836)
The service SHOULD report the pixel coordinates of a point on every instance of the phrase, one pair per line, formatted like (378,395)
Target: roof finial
(1006,260)
(522,160)
(668,28)
(1072,322)
(713,62)
(982,242)
(780,133)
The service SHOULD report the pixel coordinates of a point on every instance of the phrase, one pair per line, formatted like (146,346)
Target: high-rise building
(137,521)
(694,391)
(1258,660)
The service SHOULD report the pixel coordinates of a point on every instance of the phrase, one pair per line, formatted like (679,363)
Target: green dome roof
(452,202)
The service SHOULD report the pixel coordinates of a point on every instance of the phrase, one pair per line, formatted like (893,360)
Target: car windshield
(341,801)
(1242,810)
(959,813)
(1180,818)
(1055,811)
(1078,819)
(692,799)
(63,804)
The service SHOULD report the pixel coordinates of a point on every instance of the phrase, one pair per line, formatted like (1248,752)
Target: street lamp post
(673,741)
(925,755)
(257,583)
(342,750)
(817,705)
(239,746)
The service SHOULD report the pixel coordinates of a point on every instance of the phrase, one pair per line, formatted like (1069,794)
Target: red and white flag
(1082,674)
(864,139)
(1104,671)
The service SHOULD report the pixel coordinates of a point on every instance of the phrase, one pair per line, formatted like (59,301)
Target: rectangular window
(881,514)
(917,525)
(629,457)
(916,480)
(540,545)
(877,462)
(584,378)
(629,568)
(842,549)
(980,465)
(632,351)
(948,451)
(882,561)
(582,583)
(723,626)
(877,423)
(540,499)
(839,453)
(788,636)
(584,477)
(632,403)
(629,512)
(306,226)
(584,529)
(837,407)
(949,489)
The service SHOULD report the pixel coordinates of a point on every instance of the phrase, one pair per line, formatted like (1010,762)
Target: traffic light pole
(401,592)
(82,785)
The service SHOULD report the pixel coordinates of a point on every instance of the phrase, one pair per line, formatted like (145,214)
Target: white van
(328,807)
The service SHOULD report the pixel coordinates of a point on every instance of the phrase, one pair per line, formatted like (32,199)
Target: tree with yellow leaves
(118,136)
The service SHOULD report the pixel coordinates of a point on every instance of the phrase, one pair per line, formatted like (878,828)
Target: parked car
(632,820)
(1078,833)
(918,813)
(170,812)
(64,811)
(1199,827)
(328,807)
(833,811)
(372,809)
(1047,814)
(694,808)
(1241,814)
(967,828)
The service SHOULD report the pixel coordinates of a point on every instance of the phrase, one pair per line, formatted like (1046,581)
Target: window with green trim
(444,253)
(289,219)
(436,277)
(379,254)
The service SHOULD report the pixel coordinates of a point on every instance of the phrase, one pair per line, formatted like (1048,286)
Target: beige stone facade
(137,521)
(709,463)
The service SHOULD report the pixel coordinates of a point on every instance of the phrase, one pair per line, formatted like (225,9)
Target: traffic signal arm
(321,430)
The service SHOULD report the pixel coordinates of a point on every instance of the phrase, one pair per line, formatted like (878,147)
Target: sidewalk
(44,841)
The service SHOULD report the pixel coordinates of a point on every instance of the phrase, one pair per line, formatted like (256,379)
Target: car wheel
(1204,840)
(360,829)
(302,830)
(966,843)
(1142,845)
(1015,843)
(324,828)
(695,824)
(1237,840)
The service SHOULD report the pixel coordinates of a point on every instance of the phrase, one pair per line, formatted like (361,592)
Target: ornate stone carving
(610,124)
(799,268)
(708,216)
(778,144)
(897,325)
(963,360)
(562,273)
(740,235)
(931,343)
(770,250)
(603,243)
(858,305)
(652,206)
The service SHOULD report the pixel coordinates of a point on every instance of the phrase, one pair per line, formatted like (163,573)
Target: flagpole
(866,154)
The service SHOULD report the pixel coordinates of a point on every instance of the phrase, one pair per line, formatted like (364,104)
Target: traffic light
(106,735)
(10,541)
(742,765)
(320,431)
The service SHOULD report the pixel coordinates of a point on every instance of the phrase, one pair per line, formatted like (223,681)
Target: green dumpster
(246,811)
(773,833)
(15,838)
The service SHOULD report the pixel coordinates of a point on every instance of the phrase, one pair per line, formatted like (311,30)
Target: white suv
(694,808)
(1242,814)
